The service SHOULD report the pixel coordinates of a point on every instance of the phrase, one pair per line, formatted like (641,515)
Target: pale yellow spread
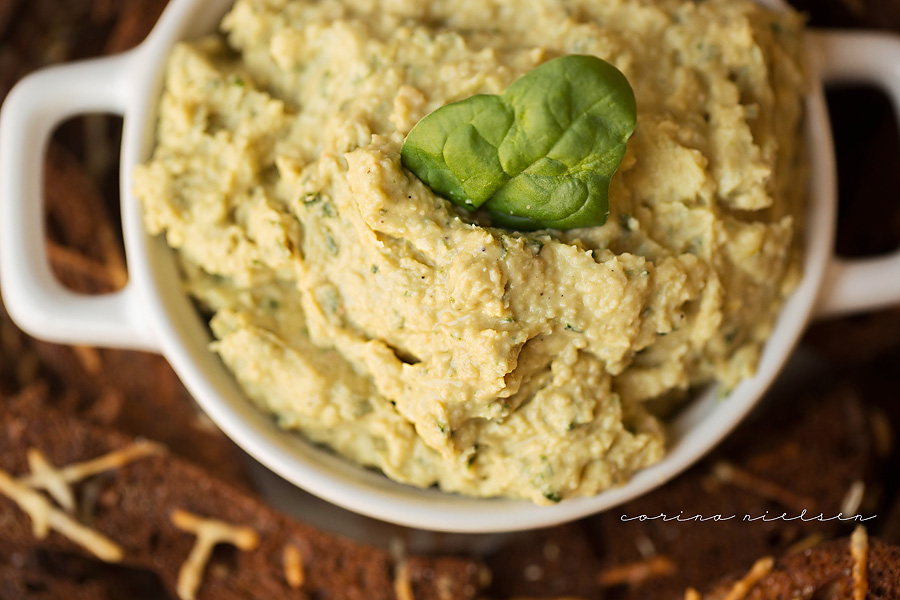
(372,316)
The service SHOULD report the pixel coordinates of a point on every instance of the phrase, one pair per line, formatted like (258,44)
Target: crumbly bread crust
(135,506)
(828,571)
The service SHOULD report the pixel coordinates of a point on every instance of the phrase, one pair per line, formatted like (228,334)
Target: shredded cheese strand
(56,482)
(113,460)
(44,517)
(859,550)
(402,583)
(90,358)
(209,532)
(547,598)
(294,572)
(45,476)
(853,498)
(636,572)
(729,473)
(760,569)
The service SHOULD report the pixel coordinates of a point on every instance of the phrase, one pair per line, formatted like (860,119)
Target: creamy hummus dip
(376,318)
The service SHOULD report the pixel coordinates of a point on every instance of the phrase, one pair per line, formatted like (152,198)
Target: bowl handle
(35,300)
(851,285)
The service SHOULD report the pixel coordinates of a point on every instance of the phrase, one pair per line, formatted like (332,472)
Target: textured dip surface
(366,312)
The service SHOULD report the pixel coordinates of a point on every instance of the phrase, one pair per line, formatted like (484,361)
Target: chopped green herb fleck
(330,302)
(535,245)
(552,496)
(331,245)
(472,456)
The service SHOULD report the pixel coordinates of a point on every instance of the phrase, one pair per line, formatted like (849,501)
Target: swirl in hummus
(371,315)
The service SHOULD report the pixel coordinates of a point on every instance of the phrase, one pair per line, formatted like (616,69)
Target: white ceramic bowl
(152,313)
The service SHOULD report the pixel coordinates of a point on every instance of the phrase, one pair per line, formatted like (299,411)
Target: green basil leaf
(541,154)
